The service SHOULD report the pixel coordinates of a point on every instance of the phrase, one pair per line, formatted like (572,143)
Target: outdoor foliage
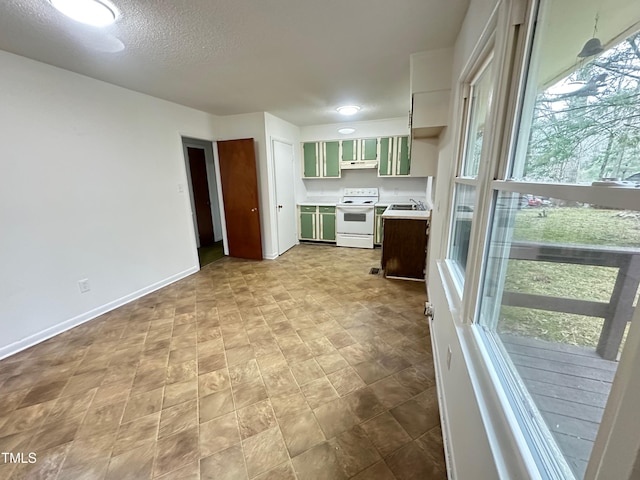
(587,126)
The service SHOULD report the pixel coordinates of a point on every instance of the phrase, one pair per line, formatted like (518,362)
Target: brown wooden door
(240,196)
(201,199)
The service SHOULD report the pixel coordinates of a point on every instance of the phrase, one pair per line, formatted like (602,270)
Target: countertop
(319,201)
(408,214)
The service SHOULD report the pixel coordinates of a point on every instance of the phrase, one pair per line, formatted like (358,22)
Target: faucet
(419,204)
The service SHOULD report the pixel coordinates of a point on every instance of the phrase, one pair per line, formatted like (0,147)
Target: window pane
(480,99)
(581,122)
(559,289)
(464,202)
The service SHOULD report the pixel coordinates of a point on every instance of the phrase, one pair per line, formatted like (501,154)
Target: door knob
(254,209)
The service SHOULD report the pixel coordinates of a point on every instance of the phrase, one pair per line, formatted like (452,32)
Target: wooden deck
(570,386)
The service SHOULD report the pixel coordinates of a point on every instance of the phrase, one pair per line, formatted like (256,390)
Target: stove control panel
(360,192)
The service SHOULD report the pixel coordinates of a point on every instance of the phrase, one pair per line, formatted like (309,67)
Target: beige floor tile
(219,434)
(319,392)
(390,392)
(178,418)
(215,405)
(354,451)
(293,404)
(345,381)
(281,472)
(301,432)
(364,404)
(256,418)
(386,433)
(243,358)
(319,463)
(335,417)
(264,451)
(228,464)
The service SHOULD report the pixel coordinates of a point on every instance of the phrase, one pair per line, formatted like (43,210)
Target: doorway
(203,193)
(283,159)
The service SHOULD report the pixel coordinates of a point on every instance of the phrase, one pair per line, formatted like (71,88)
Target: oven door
(355,220)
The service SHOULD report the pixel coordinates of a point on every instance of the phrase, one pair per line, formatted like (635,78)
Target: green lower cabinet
(308,223)
(332,159)
(327,223)
(317,223)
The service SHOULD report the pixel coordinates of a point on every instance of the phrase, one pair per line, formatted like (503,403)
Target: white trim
(65,325)
(624,198)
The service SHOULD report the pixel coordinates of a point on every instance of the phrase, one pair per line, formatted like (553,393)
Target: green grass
(581,226)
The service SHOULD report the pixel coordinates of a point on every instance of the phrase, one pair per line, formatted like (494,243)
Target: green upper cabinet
(369,149)
(321,159)
(384,163)
(331,159)
(404,165)
(349,150)
(310,159)
(394,157)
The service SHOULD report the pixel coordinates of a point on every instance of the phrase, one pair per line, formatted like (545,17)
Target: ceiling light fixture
(346,130)
(91,12)
(348,109)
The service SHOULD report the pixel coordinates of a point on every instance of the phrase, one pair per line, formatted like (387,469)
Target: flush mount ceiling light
(91,12)
(348,109)
(346,130)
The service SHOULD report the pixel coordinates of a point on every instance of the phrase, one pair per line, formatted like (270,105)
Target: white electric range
(355,218)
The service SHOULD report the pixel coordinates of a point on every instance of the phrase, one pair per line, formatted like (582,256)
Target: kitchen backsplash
(388,187)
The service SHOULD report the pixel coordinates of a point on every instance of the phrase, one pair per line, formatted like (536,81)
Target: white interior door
(285,198)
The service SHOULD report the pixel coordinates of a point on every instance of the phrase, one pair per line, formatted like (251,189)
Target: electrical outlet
(181,188)
(448,357)
(83,285)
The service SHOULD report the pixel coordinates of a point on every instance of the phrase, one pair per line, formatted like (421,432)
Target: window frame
(490,372)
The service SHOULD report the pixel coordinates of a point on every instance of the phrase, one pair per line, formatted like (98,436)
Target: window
(476,109)
(562,265)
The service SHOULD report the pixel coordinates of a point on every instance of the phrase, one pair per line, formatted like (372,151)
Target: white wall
(464,428)
(90,176)
(374,128)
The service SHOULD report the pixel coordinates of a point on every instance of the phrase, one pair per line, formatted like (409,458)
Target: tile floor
(304,367)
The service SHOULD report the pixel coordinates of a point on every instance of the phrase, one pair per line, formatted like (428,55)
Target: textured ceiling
(297,59)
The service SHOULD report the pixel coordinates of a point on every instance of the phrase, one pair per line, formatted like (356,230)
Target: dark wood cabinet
(404,247)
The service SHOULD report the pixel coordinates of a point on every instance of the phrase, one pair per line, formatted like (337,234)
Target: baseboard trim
(61,327)
(273,256)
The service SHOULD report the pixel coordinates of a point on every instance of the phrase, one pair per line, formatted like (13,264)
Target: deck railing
(616,313)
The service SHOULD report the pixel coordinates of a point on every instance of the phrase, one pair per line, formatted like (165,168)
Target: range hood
(359,164)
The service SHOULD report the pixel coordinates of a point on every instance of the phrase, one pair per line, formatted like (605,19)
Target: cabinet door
(308,223)
(404,165)
(310,160)
(349,150)
(384,163)
(369,150)
(379,233)
(327,223)
(331,159)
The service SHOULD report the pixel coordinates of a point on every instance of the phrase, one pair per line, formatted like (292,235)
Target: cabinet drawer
(327,209)
(307,209)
